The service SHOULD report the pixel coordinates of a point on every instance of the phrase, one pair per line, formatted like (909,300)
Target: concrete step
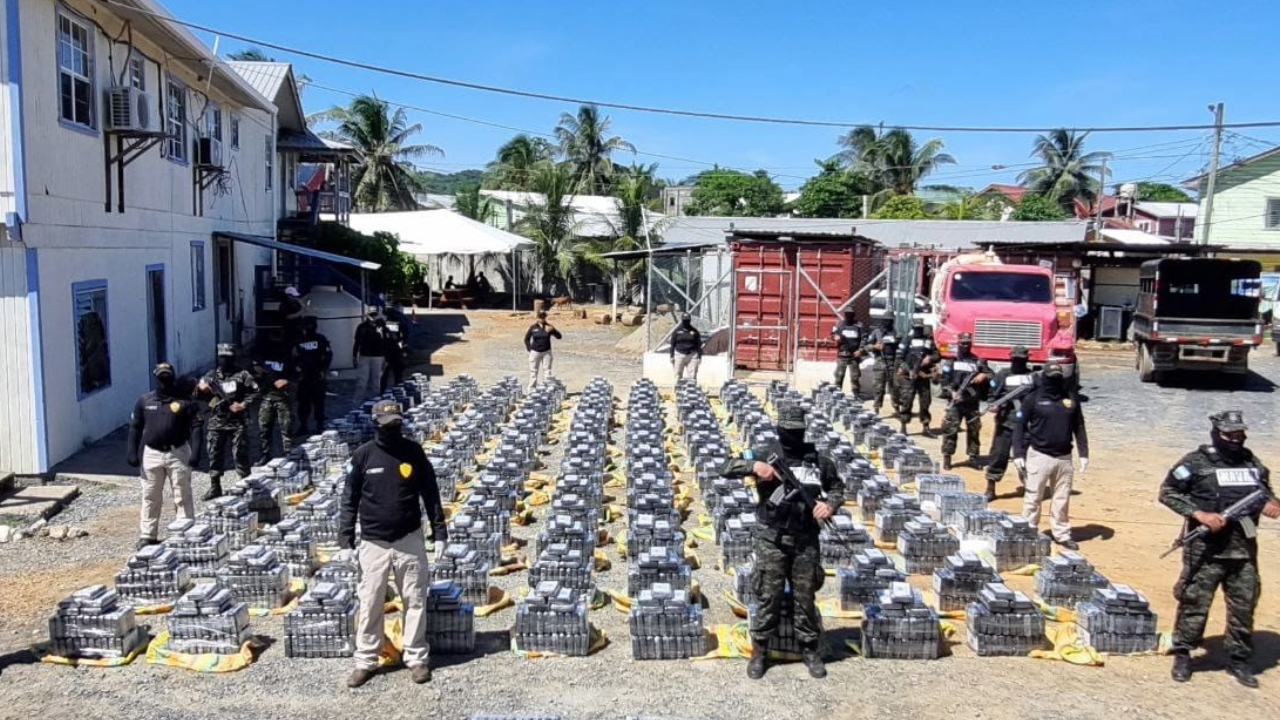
(38,501)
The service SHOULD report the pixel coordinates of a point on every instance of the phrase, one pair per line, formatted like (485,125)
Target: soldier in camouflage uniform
(884,347)
(966,381)
(849,353)
(230,391)
(1200,487)
(917,361)
(786,542)
(274,373)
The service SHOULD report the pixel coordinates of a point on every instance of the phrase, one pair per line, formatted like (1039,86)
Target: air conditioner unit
(128,109)
(209,152)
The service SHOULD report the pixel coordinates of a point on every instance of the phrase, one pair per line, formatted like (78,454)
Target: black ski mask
(389,433)
(1054,386)
(227,364)
(1230,445)
(1018,366)
(166,385)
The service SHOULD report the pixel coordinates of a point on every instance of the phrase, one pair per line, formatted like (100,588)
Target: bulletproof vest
(311,353)
(228,388)
(961,370)
(275,370)
(1233,483)
(1009,411)
(685,340)
(889,345)
(788,514)
(850,338)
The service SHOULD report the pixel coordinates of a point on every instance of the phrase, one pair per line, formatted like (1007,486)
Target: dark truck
(1197,314)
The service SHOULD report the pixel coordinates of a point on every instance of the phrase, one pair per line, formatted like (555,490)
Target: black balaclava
(686,322)
(1054,386)
(1232,452)
(850,319)
(166,385)
(227,363)
(310,328)
(389,433)
(966,349)
(917,331)
(1018,366)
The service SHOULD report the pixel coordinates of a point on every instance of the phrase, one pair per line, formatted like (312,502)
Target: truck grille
(1007,333)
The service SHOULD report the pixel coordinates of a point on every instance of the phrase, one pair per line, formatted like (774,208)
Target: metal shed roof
(272,244)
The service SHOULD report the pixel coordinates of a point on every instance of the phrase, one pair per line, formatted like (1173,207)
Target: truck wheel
(1146,366)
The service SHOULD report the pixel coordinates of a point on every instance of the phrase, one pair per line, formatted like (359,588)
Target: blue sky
(1140,62)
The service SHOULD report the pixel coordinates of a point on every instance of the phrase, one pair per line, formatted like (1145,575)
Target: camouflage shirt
(1197,483)
(791,516)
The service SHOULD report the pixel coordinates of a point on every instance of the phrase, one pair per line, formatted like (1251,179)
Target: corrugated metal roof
(944,234)
(265,77)
(1132,237)
(1168,209)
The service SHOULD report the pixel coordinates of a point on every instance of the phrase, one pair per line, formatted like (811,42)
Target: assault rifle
(790,489)
(1241,512)
(1015,394)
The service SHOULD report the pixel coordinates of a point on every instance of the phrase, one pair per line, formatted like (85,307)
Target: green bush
(400,272)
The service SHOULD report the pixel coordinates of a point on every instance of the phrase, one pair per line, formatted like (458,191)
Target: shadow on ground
(1266,653)
(1215,382)
(428,335)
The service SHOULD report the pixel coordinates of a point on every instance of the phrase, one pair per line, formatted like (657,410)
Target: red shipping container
(780,296)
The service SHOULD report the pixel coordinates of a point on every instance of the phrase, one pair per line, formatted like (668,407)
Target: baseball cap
(1053,369)
(1019,351)
(164,368)
(386,412)
(226,350)
(373,313)
(791,417)
(292,291)
(1228,421)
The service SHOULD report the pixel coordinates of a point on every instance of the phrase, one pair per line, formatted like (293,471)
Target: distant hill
(440,184)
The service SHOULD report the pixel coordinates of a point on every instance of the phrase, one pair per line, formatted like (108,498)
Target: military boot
(1242,673)
(946,462)
(759,660)
(1181,667)
(813,661)
(215,490)
(928,432)
(991,491)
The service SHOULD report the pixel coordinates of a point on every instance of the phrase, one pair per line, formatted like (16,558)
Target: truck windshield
(1000,287)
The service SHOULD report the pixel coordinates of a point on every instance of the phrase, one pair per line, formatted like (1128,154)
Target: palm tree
(469,203)
(251,55)
(585,143)
(549,223)
(513,167)
(1068,173)
(892,160)
(387,179)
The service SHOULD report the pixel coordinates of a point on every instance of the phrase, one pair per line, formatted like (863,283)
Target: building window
(138,72)
(175,119)
(75,71)
(197,277)
(213,123)
(93,356)
(1273,214)
(235,132)
(270,151)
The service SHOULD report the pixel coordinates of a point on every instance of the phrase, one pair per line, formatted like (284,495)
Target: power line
(465,84)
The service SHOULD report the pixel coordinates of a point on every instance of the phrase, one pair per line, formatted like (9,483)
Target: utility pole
(1202,224)
(1102,195)
(866,206)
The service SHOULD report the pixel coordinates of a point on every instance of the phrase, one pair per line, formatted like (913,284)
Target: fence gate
(903,285)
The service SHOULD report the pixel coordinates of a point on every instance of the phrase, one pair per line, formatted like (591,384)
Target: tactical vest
(1233,483)
(850,339)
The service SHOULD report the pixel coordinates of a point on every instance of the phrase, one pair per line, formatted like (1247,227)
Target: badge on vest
(175,406)
(406,470)
(275,366)
(1067,403)
(312,345)
(1237,477)
(229,387)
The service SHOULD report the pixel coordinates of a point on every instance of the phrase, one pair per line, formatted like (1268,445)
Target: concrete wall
(712,373)
(21,436)
(1240,205)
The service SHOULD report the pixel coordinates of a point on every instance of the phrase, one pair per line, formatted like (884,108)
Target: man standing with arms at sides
(368,354)
(849,353)
(1200,488)
(390,483)
(1042,444)
(686,348)
(290,315)
(1017,378)
(884,348)
(160,429)
(966,381)
(313,355)
(393,346)
(786,544)
(537,340)
(230,391)
(915,377)
(274,373)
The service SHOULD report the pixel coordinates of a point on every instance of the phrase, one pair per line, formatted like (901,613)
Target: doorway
(157,325)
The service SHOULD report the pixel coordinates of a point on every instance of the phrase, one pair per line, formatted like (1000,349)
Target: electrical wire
(468,85)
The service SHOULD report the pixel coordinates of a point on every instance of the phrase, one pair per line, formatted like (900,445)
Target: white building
(126,148)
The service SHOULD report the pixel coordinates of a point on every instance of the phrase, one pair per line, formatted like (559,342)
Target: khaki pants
(171,468)
(689,362)
(406,559)
(1054,473)
(368,379)
(537,361)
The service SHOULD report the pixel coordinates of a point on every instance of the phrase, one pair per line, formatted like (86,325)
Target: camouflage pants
(971,416)
(780,561)
(883,383)
(852,366)
(1194,592)
(218,434)
(1001,447)
(908,391)
(276,409)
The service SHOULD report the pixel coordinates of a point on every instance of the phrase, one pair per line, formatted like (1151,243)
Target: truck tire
(1146,366)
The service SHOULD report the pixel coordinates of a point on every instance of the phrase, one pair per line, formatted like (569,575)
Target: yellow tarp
(297,587)
(1068,647)
(88,662)
(158,653)
(734,641)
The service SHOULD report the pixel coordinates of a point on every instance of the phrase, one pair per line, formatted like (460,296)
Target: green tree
(586,144)
(834,192)
(386,180)
(469,203)
(400,271)
(901,207)
(972,207)
(1037,207)
(1068,173)
(550,224)
(892,160)
(1161,192)
(512,169)
(634,191)
(731,192)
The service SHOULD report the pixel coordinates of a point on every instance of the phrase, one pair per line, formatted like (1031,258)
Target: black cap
(791,417)
(1228,421)
(386,412)
(164,368)
(1019,352)
(1053,369)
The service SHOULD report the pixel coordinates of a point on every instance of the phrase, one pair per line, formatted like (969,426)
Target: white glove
(1020,463)
(1084,465)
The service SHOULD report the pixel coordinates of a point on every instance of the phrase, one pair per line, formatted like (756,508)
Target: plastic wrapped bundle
(477,534)
(576,507)
(332,483)
(925,545)
(743,584)
(290,478)
(666,625)
(961,580)
(736,542)
(263,496)
(930,486)
(1067,579)
(911,463)
(900,626)
(1118,619)
(198,547)
(255,575)
(893,514)
(951,506)
(585,486)
(231,516)
(1003,622)
(91,623)
(842,538)
(491,512)
(338,572)
(646,531)
(207,620)
(323,625)
(1018,544)
(873,491)
(292,541)
(502,491)
(153,576)
(872,571)
(552,618)
(558,563)
(467,568)
(980,524)
(659,565)
(451,624)
(320,514)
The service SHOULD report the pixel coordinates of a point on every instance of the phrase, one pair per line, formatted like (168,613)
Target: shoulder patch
(1182,472)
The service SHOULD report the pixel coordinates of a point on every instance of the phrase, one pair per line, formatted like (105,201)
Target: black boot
(928,432)
(215,490)
(759,660)
(975,462)
(902,426)
(991,491)
(1181,667)
(813,661)
(946,462)
(1243,674)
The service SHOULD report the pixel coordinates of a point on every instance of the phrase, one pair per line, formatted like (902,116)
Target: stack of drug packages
(208,620)
(901,626)
(1003,622)
(92,623)
(153,576)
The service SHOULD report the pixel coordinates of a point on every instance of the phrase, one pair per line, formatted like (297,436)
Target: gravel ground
(1137,432)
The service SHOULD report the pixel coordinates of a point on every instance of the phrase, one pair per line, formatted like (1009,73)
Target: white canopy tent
(426,233)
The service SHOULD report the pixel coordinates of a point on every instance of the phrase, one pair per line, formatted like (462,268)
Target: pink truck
(1002,306)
